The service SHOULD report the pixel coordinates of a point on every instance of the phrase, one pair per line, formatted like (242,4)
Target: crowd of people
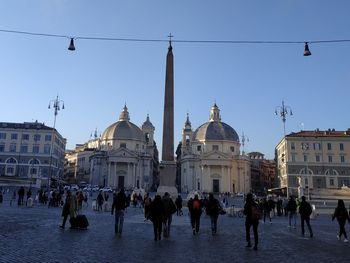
(160,210)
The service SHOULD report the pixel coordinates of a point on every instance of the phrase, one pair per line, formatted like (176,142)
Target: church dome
(215,129)
(123,129)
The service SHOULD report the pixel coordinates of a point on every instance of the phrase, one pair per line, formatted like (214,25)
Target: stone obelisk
(168,165)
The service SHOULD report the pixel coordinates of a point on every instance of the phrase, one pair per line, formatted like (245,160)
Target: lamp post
(57,105)
(283,111)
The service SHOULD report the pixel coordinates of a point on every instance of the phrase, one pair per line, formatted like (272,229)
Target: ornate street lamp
(57,105)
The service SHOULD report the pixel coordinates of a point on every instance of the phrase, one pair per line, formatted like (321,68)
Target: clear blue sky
(247,81)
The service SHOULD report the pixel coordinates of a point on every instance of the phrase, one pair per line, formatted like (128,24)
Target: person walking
(99,200)
(292,209)
(195,209)
(147,206)
(21,195)
(157,215)
(213,208)
(119,204)
(252,212)
(266,210)
(69,208)
(305,211)
(170,209)
(13,199)
(341,214)
(178,203)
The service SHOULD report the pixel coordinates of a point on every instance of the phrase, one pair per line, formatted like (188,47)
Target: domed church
(210,158)
(126,156)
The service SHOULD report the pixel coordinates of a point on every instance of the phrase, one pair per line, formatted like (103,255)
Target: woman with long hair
(341,214)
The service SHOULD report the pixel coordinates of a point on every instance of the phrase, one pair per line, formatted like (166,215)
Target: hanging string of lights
(71,46)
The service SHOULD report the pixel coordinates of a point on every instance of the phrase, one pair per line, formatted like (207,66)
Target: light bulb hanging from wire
(71,45)
(306,50)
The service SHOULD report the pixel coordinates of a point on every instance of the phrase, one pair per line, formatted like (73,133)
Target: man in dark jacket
(119,204)
(251,221)
(305,211)
(170,209)
(213,208)
(292,209)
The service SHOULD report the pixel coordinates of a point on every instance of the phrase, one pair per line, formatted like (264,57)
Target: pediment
(122,152)
(215,155)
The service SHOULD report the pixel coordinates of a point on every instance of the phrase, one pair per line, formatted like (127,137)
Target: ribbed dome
(123,129)
(217,131)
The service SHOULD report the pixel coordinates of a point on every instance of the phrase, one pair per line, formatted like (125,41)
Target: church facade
(126,156)
(210,158)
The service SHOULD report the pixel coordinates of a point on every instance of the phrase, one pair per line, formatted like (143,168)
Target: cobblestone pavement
(33,235)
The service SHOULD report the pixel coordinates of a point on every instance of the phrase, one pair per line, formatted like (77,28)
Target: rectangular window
(318,158)
(47,148)
(35,148)
(317,146)
(215,147)
(2,135)
(123,145)
(342,159)
(13,136)
(331,182)
(13,147)
(25,136)
(329,146)
(24,148)
(341,146)
(293,157)
(292,146)
(2,147)
(330,158)
(199,148)
(305,158)
(232,148)
(47,137)
(37,137)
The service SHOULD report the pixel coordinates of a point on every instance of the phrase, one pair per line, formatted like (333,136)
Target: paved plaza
(33,235)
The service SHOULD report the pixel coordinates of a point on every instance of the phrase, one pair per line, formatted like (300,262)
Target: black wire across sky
(72,38)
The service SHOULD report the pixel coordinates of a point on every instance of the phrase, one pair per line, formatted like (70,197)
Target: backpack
(256,212)
(196,205)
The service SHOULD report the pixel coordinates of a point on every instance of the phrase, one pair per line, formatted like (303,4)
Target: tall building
(30,152)
(125,155)
(263,173)
(312,162)
(210,158)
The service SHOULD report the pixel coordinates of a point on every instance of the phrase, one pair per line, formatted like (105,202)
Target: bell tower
(187,136)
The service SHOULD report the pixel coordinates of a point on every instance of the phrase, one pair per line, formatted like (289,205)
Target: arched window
(11,160)
(34,162)
(303,171)
(10,166)
(331,172)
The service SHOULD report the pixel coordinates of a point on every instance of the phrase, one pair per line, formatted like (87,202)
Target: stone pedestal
(300,191)
(167,178)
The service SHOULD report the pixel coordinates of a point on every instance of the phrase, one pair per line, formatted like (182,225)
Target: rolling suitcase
(79,222)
